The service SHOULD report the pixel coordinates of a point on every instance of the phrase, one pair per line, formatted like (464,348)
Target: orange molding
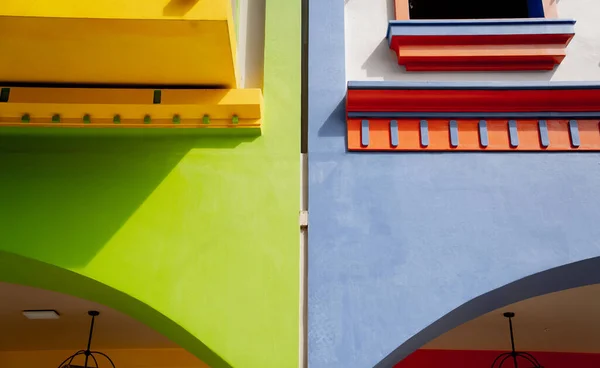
(480,57)
(388,116)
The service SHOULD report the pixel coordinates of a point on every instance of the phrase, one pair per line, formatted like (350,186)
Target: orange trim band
(480,57)
(498,136)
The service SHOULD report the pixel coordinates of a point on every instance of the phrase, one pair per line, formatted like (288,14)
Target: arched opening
(567,277)
(43,328)
(125,323)
(559,330)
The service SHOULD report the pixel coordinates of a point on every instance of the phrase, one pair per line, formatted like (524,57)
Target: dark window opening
(470,9)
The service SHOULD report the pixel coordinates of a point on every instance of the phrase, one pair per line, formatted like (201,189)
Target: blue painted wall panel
(399,240)
(415,236)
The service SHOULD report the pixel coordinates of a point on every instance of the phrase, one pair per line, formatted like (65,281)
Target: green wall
(196,236)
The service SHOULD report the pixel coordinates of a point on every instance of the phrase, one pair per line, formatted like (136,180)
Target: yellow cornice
(127,108)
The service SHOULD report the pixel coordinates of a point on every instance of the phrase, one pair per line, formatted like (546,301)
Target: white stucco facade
(251,43)
(368,56)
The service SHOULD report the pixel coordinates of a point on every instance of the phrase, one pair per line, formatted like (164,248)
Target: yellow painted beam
(166,42)
(119,9)
(99,107)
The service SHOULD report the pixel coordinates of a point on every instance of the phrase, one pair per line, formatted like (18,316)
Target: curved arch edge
(22,270)
(569,276)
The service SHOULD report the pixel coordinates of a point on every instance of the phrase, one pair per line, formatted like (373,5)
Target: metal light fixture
(68,363)
(516,355)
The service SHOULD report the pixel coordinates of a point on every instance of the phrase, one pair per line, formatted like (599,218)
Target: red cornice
(485,99)
(490,40)
(388,116)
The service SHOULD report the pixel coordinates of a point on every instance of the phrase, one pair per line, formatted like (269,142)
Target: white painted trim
(251,43)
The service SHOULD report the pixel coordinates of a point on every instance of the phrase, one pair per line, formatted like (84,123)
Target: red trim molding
(490,100)
(484,358)
(385,116)
(482,45)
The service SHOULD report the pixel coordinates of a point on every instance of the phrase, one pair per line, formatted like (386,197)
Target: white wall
(251,43)
(368,56)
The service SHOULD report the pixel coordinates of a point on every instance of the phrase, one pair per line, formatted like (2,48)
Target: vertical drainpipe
(303,341)
(303,289)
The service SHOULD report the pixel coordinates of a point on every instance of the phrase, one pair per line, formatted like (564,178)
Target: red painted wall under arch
(482,359)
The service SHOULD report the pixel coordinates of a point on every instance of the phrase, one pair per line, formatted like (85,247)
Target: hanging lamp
(515,355)
(89,354)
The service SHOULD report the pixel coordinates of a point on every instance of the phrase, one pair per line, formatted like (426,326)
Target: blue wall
(399,240)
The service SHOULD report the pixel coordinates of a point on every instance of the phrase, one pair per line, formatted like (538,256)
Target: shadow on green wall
(23,271)
(64,194)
